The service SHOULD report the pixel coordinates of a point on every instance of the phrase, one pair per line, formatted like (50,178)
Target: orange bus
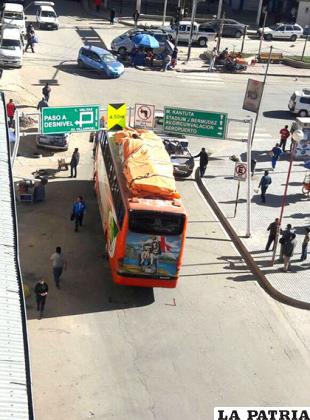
(144,235)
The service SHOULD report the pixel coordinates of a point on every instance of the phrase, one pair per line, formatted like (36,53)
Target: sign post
(69,119)
(240,174)
(195,123)
(144,116)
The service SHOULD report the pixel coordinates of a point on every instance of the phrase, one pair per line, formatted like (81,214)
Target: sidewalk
(222,187)
(197,65)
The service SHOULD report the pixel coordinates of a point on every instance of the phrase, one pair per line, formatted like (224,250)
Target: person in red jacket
(284,133)
(10,110)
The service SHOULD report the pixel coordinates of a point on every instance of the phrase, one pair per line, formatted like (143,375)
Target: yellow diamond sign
(116,116)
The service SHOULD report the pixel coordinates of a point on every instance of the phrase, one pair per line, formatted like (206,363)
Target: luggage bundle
(146,164)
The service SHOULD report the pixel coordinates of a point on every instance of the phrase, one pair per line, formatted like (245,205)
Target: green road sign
(67,119)
(195,123)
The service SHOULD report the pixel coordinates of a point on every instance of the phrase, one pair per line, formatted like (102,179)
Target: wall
(303,14)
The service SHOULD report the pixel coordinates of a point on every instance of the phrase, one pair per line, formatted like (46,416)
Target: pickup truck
(202,33)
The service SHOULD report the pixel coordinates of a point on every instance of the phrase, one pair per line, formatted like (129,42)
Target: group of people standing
(287,241)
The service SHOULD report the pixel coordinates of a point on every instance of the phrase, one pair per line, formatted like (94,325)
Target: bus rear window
(156,223)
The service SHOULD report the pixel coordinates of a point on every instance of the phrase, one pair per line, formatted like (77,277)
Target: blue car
(101,60)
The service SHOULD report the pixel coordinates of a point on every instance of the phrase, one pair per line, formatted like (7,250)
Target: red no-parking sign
(241,170)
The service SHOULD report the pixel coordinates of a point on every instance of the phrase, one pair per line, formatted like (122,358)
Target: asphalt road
(110,352)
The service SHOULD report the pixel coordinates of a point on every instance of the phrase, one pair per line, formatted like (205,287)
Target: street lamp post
(297,136)
(304,49)
(262,33)
(164,14)
(192,29)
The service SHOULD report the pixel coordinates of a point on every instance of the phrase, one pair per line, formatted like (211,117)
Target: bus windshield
(156,223)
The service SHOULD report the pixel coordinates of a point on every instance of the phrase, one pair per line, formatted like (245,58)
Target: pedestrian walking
(253,166)
(304,246)
(285,236)
(10,110)
(42,104)
(174,57)
(166,62)
(276,153)
(284,135)
(112,16)
(203,161)
(78,211)
(59,264)
(75,159)
(272,228)
(264,184)
(41,291)
(288,251)
(136,16)
(213,56)
(30,37)
(46,91)
(97,4)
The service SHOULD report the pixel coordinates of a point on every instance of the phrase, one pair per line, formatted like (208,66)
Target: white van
(47,18)
(299,103)
(13,15)
(11,47)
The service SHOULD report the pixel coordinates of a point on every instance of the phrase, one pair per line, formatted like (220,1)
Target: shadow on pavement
(279,114)
(89,36)
(75,69)
(86,286)
(273,200)
(29,148)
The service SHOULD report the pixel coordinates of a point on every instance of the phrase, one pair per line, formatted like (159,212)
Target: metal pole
(138,5)
(249,178)
(220,33)
(264,82)
(283,202)
(243,39)
(259,11)
(237,198)
(219,10)
(17,137)
(304,50)
(262,34)
(192,29)
(164,14)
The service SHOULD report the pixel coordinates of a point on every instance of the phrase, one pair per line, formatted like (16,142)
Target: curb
(243,73)
(261,278)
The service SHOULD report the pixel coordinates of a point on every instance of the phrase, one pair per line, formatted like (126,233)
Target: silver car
(123,44)
(282,31)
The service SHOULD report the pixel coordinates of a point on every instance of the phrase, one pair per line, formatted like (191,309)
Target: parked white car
(13,15)
(47,18)
(202,33)
(11,47)
(299,103)
(282,31)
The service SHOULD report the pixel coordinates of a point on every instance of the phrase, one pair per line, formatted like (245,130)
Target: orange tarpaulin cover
(146,164)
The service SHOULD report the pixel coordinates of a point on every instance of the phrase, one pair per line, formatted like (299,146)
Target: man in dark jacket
(41,290)
(263,185)
(203,161)
(42,104)
(135,16)
(75,159)
(286,236)
(30,37)
(112,16)
(273,227)
(46,91)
